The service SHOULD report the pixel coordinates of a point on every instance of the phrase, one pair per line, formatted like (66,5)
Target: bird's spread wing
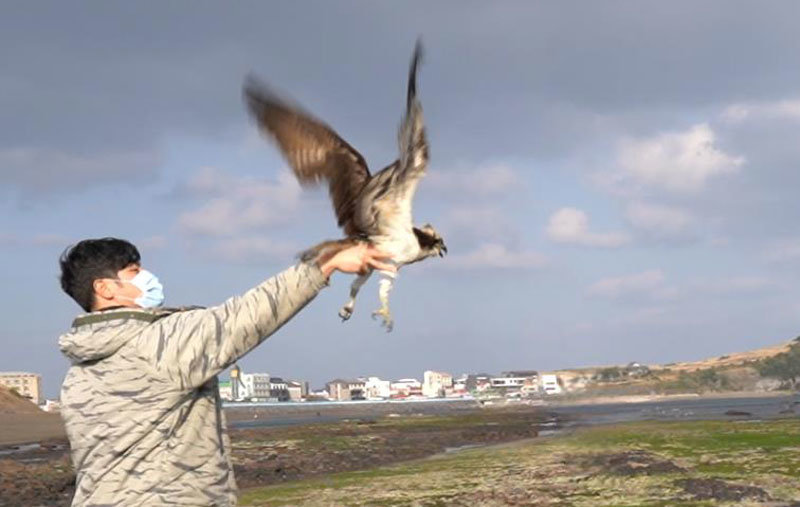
(313,150)
(412,141)
(387,197)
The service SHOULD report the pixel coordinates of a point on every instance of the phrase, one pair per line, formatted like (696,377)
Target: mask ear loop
(120,280)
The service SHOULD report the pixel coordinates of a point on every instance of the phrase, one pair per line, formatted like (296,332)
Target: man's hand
(357,259)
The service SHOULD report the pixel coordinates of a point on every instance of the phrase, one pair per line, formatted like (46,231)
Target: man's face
(110,292)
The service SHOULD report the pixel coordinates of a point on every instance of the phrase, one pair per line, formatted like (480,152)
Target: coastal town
(762,370)
(254,387)
(262,387)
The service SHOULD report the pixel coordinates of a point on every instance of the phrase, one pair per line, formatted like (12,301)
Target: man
(141,402)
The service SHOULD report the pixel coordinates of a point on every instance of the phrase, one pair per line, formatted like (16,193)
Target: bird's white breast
(401,245)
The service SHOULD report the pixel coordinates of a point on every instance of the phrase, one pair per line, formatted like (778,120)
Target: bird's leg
(347,309)
(384,288)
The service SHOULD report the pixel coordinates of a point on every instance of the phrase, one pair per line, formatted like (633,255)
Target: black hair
(92,259)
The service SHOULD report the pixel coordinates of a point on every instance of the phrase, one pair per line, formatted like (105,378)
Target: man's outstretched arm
(194,346)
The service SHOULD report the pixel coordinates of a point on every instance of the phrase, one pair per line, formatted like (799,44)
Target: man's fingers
(383,266)
(375,253)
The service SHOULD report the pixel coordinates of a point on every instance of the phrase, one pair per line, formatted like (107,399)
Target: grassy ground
(701,463)
(275,455)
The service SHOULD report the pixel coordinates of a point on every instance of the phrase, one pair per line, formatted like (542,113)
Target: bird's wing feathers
(412,141)
(313,150)
(387,197)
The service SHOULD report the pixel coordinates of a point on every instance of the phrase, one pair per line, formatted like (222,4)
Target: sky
(615,181)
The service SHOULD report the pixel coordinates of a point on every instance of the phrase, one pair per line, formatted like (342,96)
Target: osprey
(369,208)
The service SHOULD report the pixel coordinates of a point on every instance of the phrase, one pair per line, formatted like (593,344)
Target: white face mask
(152,290)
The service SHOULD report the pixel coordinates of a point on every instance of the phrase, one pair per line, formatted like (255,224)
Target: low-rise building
(551,384)
(507,382)
(459,387)
(255,386)
(342,390)
(521,382)
(52,406)
(27,385)
(318,395)
(225,390)
(405,388)
(278,389)
(478,382)
(435,383)
(375,388)
(298,390)
(635,369)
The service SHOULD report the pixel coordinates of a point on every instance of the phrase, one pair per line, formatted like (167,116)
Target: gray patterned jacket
(141,403)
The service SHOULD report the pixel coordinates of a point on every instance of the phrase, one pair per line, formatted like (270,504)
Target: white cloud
(648,282)
(778,109)
(495,255)
(484,181)
(675,161)
(571,226)
(237,204)
(657,220)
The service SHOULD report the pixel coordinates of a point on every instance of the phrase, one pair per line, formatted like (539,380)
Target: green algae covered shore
(685,463)
(499,456)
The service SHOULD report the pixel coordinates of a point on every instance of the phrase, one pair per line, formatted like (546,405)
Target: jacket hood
(101,334)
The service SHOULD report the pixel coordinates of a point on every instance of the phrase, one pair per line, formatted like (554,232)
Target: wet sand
(33,427)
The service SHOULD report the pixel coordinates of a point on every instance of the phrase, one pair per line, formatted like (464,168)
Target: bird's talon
(345,313)
(386,318)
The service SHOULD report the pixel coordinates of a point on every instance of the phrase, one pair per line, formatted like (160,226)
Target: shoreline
(32,428)
(650,398)
(360,439)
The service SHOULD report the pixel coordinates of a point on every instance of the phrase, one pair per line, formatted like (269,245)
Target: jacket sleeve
(193,346)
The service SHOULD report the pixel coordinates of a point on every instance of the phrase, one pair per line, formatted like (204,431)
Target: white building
(435,383)
(27,385)
(255,385)
(516,382)
(375,388)
(551,384)
(520,382)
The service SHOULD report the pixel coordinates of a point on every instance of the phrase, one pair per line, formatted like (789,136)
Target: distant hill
(21,421)
(766,369)
(12,403)
(734,359)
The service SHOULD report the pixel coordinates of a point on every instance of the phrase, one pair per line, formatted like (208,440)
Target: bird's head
(435,243)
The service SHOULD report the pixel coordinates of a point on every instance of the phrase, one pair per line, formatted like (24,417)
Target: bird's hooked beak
(443,250)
